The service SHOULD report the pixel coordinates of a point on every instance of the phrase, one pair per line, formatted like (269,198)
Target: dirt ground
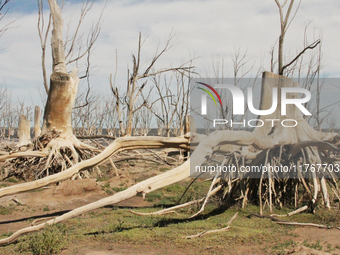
(38,205)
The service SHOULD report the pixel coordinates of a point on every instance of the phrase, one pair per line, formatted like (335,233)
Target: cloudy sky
(206,30)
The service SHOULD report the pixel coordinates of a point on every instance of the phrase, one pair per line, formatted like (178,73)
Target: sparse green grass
(314,245)
(152,197)
(6,235)
(103,178)
(46,209)
(7,210)
(11,179)
(3,185)
(163,169)
(117,226)
(118,189)
(49,241)
(281,248)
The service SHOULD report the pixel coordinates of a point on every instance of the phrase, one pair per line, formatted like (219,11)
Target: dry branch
(302,209)
(214,230)
(126,143)
(171,209)
(266,142)
(303,224)
(180,173)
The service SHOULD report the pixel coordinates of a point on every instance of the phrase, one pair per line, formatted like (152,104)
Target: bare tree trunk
(303,144)
(284,21)
(189,124)
(63,86)
(24,131)
(61,97)
(37,116)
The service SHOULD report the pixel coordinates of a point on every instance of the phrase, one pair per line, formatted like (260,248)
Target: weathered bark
(257,143)
(60,101)
(284,23)
(24,131)
(189,125)
(180,173)
(125,143)
(37,116)
(63,86)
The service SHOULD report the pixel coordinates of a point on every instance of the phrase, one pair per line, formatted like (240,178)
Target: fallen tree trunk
(270,145)
(180,173)
(124,143)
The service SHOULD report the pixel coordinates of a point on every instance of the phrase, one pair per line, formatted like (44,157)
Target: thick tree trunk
(60,101)
(256,148)
(63,86)
(24,131)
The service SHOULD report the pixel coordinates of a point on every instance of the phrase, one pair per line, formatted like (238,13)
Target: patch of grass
(324,217)
(106,185)
(46,208)
(151,197)
(175,188)
(115,227)
(50,241)
(13,180)
(3,185)
(109,191)
(103,178)
(281,248)
(310,244)
(6,234)
(118,189)
(163,169)
(329,248)
(6,210)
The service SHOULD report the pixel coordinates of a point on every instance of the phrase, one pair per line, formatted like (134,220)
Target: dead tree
(134,89)
(37,117)
(3,12)
(284,24)
(276,145)
(76,48)
(57,149)
(56,142)
(24,131)
(269,144)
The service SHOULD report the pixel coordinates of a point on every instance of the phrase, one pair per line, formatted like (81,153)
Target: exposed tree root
(126,143)
(278,221)
(47,155)
(303,224)
(301,149)
(302,209)
(213,231)
(171,209)
(179,173)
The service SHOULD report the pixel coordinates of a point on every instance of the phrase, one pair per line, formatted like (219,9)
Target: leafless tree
(171,106)
(3,12)
(183,108)
(142,121)
(285,22)
(77,45)
(136,83)
(167,101)
(264,146)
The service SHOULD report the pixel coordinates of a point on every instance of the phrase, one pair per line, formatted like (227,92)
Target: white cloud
(204,28)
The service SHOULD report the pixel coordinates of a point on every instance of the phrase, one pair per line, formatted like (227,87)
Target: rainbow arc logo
(209,93)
